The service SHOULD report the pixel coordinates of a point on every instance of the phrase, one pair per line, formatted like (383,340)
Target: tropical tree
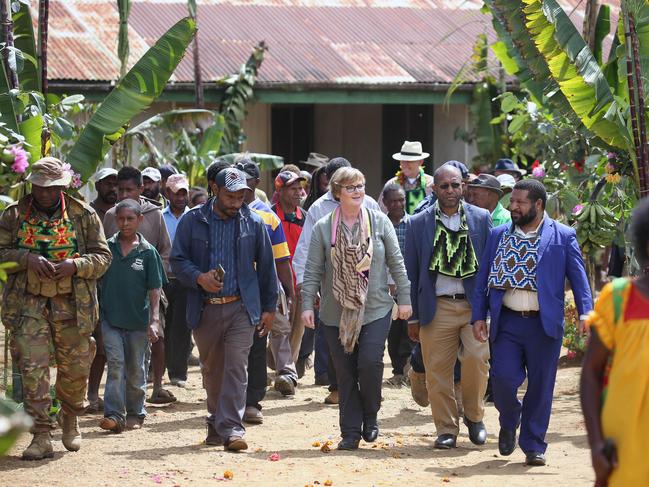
(23,112)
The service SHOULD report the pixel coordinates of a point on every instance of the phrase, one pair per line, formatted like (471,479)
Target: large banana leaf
(135,92)
(212,137)
(32,130)
(7,109)
(267,162)
(24,39)
(188,119)
(575,69)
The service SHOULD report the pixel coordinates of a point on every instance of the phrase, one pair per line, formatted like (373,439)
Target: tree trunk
(43,20)
(8,40)
(123,47)
(643,165)
(198,75)
(590,23)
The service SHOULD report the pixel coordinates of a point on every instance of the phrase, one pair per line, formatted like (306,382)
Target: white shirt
(319,209)
(447,286)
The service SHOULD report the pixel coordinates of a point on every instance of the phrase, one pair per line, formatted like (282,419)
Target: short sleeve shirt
(274,228)
(126,284)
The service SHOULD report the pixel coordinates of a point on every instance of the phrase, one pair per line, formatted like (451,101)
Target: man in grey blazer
(444,245)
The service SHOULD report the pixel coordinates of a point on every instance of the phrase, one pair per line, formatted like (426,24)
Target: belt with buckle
(222,300)
(453,296)
(523,314)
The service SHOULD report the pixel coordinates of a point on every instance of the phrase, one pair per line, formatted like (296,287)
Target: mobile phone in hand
(219,273)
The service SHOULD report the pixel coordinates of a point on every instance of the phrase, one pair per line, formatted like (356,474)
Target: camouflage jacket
(92,263)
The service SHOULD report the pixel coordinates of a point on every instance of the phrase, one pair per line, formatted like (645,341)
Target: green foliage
(574,341)
(134,93)
(124,9)
(25,43)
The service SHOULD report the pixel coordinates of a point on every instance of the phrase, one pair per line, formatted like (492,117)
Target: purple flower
(21,162)
(538,172)
(76,180)
(577,209)
(611,155)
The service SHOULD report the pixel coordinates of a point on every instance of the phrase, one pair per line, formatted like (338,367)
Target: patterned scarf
(514,266)
(415,192)
(453,253)
(351,271)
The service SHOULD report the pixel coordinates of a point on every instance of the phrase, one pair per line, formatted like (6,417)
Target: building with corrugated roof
(341,77)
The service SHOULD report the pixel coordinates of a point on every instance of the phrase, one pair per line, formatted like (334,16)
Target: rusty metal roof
(323,42)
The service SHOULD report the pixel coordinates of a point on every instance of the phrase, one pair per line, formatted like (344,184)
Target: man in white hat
(411,176)
(106,186)
(151,179)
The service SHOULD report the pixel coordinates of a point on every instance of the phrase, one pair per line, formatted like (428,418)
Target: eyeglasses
(353,189)
(452,185)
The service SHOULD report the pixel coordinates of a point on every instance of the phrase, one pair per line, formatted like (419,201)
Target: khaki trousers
(440,339)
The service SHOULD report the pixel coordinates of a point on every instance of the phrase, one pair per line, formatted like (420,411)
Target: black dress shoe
(506,441)
(445,441)
(535,459)
(348,444)
(477,431)
(370,432)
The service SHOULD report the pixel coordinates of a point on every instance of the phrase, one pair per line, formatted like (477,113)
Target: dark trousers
(360,375)
(257,373)
(178,344)
(522,348)
(314,340)
(399,345)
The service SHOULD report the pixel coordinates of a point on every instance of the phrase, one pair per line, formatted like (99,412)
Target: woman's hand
(404,312)
(308,318)
(602,465)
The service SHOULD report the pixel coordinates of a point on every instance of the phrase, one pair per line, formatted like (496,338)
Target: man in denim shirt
(223,312)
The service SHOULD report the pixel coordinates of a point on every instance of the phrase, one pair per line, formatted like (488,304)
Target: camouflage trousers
(34,344)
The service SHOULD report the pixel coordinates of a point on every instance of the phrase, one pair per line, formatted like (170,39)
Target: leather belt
(453,296)
(222,300)
(523,314)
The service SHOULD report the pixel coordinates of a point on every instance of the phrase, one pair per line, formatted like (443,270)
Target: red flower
(536,163)
(579,166)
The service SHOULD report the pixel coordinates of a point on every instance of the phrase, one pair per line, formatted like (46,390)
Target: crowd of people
(462,275)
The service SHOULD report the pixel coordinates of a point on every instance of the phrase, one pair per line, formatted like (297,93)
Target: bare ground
(169,450)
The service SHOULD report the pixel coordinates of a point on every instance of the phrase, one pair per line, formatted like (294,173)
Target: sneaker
(285,385)
(418,388)
(40,447)
(332,398)
(397,380)
(253,415)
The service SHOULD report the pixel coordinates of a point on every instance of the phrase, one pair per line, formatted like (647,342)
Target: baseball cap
(104,172)
(167,170)
(176,182)
(232,179)
(249,168)
(506,180)
(152,173)
(286,178)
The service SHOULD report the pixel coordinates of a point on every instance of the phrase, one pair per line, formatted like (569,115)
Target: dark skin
(323,183)
(151,188)
(226,205)
(178,201)
(289,197)
(484,198)
(592,373)
(128,189)
(106,193)
(449,189)
(48,199)
(395,202)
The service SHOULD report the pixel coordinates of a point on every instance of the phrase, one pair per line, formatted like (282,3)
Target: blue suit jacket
(419,252)
(559,258)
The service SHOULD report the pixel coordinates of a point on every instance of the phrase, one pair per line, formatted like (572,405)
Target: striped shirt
(225,252)
(274,228)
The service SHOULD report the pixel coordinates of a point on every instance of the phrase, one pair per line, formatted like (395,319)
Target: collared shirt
(521,299)
(500,216)
(445,285)
(172,221)
(274,228)
(400,230)
(292,223)
(319,209)
(225,252)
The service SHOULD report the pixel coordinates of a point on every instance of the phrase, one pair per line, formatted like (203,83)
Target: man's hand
(308,318)
(581,327)
(266,323)
(413,331)
(480,331)
(152,330)
(42,267)
(602,466)
(207,281)
(404,311)
(65,268)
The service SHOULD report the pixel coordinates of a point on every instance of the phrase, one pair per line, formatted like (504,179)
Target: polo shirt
(125,286)
(500,216)
(274,228)
(292,223)
(171,221)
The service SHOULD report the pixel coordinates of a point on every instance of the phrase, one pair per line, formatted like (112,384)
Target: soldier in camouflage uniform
(50,300)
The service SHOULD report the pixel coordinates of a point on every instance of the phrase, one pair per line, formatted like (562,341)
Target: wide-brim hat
(487,181)
(508,165)
(316,160)
(49,171)
(410,151)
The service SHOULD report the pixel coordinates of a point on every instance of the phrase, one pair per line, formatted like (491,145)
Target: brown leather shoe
(236,443)
(332,398)
(418,387)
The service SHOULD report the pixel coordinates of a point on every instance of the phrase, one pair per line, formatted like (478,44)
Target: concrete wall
(445,147)
(354,132)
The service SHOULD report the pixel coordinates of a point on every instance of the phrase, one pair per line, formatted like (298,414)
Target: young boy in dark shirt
(130,297)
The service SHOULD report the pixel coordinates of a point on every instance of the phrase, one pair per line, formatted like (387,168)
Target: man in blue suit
(444,244)
(521,284)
